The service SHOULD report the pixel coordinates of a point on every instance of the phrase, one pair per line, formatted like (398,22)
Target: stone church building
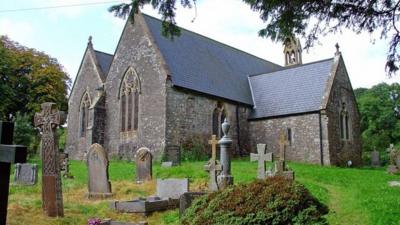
(156,92)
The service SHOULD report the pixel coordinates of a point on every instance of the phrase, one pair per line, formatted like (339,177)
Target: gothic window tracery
(129,101)
(84,113)
(344,123)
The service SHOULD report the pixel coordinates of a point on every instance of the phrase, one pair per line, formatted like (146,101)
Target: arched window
(129,101)
(219,116)
(84,113)
(344,123)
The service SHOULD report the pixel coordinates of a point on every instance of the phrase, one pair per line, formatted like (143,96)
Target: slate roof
(292,90)
(104,59)
(202,64)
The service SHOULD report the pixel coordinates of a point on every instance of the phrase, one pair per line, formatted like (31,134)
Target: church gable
(135,93)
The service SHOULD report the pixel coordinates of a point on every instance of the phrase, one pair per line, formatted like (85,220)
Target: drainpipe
(321,146)
(238,130)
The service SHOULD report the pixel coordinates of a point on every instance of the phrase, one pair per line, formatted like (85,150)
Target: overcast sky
(63,34)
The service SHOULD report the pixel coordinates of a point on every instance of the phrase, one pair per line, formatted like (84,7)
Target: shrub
(275,201)
(25,134)
(194,149)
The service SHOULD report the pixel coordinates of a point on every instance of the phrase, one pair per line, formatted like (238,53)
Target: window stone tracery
(129,101)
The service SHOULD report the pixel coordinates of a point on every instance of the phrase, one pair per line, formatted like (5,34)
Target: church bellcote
(292,51)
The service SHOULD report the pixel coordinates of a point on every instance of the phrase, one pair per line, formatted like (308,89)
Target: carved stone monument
(97,162)
(375,158)
(144,169)
(25,174)
(64,161)
(48,120)
(225,178)
(213,166)
(9,154)
(262,158)
(280,165)
(173,155)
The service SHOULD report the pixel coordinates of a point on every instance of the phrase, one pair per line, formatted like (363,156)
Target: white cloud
(22,32)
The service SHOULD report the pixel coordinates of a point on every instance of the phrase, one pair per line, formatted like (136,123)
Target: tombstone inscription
(25,174)
(8,154)
(213,166)
(99,186)
(262,158)
(144,169)
(47,121)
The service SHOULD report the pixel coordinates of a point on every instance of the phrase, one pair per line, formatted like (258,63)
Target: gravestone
(111,222)
(25,174)
(224,179)
(97,162)
(262,157)
(172,187)
(168,193)
(213,166)
(186,200)
(143,159)
(375,158)
(166,164)
(9,154)
(173,154)
(394,156)
(280,168)
(47,121)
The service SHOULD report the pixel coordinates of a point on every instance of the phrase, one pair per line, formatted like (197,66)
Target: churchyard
(354,196)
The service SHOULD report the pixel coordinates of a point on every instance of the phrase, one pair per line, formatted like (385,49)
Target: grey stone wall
(136,49)
(190,116)
(88,80)
(305,145)
(343,150)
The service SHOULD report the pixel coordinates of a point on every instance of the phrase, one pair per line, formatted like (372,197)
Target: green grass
(354,196)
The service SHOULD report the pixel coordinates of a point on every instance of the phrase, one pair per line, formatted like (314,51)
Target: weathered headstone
(225,178)
(166,164)
(48,120)
(168,193)
(186,200)
(8,154)
(25,174)
(97,162)
(213,166)
(173,154)
(172,188)
(375,158)
(144,169)
(280,168)
(262,157)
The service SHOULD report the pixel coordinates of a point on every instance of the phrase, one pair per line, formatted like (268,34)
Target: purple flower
(94,221)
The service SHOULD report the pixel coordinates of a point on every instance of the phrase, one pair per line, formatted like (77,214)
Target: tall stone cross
(261,157)
(8,154)
(48,120)
(283,142)
(213,167)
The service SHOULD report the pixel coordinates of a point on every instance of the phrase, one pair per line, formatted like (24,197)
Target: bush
(272,201)
(194,149)
(25,134)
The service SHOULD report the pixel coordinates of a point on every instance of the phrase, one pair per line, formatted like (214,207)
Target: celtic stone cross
(47,121)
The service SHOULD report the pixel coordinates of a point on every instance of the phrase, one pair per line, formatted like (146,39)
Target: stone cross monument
(48,120)
(213,166)
(261,157)
(280,165)
(8,154)
(225,178)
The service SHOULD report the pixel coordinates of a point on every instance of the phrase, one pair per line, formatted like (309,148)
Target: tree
(27,79)
(380,119)
(306,18)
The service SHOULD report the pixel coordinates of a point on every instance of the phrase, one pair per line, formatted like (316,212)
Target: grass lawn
(354,196)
